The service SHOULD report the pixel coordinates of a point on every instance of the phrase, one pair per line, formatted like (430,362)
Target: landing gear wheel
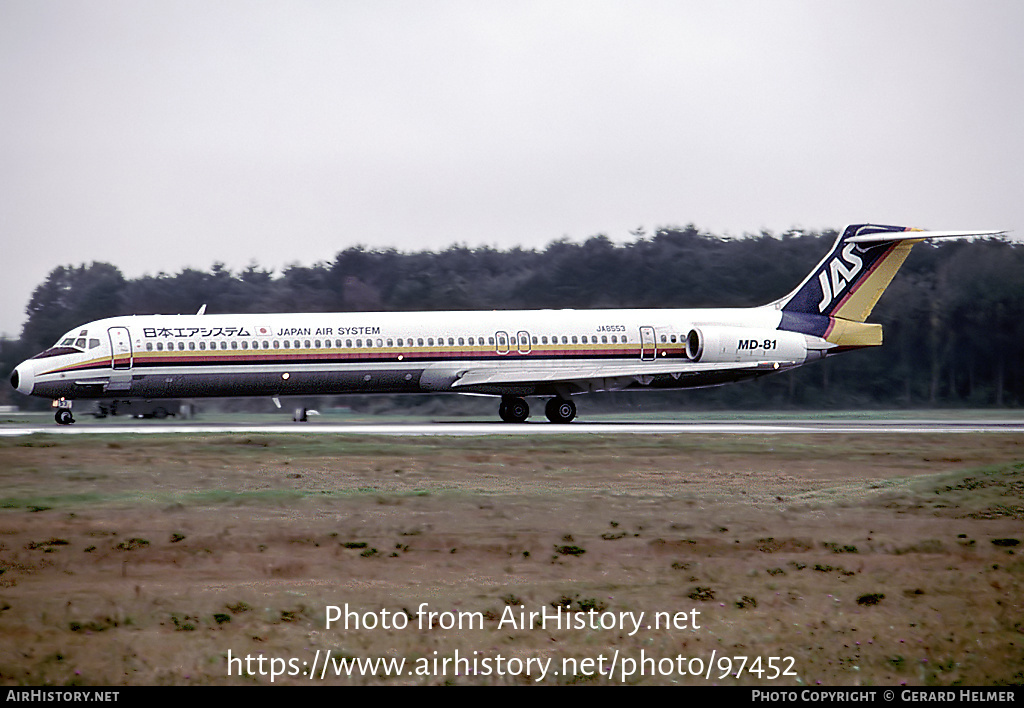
(63,416)
(299,415)
(514,410)
(560,410)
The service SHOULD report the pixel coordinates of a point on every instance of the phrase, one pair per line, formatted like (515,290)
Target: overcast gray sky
(160,134)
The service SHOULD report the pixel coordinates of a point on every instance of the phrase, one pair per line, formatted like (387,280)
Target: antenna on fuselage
(202,310)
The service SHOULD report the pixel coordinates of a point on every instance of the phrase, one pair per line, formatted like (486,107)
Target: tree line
(953,318)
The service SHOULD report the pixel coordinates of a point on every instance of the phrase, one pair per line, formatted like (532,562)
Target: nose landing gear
(62,414)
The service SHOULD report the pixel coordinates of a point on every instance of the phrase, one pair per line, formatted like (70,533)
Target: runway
(803,426)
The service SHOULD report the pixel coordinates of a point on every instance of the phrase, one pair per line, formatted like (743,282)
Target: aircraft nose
(21,379)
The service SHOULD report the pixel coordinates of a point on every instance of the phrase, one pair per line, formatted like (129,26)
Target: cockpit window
(70,344)
(55,351)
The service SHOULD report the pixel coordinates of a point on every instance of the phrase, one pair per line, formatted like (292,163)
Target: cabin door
(648,349)
(120,348)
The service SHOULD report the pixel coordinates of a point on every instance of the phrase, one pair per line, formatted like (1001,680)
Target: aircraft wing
(575,372)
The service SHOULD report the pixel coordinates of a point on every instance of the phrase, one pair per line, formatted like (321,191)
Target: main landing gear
(560,410)
(63,416)
(514,409)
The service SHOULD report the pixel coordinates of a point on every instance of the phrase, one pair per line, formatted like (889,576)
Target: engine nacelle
(726,345)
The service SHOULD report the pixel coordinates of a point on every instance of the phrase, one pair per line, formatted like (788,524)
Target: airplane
(510,354)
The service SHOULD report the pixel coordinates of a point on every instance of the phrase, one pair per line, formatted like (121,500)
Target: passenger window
(181,346)
(286,344)
(295,344)
(192,346)
(159,346)
(380,342)
(307,344)
(234,344)
(471,342)
(574,339)
(149,346)
(245,345)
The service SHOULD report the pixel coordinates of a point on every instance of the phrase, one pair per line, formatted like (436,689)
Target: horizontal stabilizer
(916,235)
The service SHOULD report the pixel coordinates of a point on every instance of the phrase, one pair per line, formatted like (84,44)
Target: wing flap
(557,373)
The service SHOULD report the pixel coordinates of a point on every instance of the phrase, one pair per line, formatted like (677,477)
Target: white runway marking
(804,427)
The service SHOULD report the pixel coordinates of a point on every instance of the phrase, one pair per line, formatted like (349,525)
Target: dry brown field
(780,560)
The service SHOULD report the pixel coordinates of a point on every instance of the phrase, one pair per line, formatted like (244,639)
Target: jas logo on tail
(841,274)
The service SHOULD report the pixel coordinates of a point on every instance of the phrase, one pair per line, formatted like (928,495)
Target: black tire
(514,410)
(560,410)
(63,417)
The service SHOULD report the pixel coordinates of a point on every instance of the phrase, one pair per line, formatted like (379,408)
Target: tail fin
(838,295)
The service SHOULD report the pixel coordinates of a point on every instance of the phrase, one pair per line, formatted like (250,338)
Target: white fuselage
(510,352)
